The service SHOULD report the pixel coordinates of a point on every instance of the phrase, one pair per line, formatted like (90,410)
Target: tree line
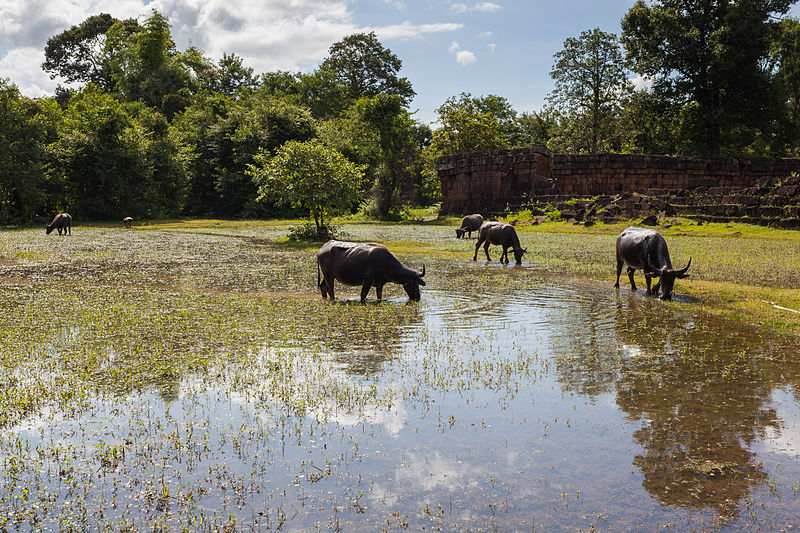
(146,130)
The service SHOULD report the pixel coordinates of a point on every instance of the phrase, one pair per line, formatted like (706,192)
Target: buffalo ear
(684,276)
(422,282)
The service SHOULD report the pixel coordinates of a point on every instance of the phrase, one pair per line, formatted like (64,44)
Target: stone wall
(493,181)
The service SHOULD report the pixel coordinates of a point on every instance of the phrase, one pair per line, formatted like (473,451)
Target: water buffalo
(127,221)
(61,221)
(469,224)
(364,264)
(502,234)
(647,250)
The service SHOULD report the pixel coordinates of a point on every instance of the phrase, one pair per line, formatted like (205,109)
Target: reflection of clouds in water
(386,409)
(632,351)
(393,418)
(430,472)
(784,439)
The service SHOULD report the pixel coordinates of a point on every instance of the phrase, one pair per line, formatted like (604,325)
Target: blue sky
(500,47)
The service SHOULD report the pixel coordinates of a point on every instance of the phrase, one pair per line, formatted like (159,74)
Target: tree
(786,54)
(307,175)
(116,158)
(708,57)
(396,139)
(79,54)
(147,68)
(221,136)
(229,76)
(366,68)
(467,125)
(26,127)
(537,128)
(591,79)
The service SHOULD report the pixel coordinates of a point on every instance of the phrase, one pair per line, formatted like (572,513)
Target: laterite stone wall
(492,181)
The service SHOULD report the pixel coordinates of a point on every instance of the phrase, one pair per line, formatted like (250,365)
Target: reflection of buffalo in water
(646,250)
(501,234)
(365,264)
(62,221)
(469,224)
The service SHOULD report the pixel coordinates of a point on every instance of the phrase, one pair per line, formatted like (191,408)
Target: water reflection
(700,388)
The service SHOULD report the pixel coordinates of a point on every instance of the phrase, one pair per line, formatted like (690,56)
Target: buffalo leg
(329,285)
(656,287)
(379,292)
(486,251)
(365,291)
(631,270)
(647,278)
(477,246)
(619,271)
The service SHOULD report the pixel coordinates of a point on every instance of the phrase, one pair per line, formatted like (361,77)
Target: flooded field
(169,380)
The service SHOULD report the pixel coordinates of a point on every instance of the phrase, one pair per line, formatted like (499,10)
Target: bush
(308,232)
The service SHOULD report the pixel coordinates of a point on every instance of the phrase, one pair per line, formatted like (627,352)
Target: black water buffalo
(127,221)
(469,224)
(367,265)
(61,221)
(646,249)
(502,234)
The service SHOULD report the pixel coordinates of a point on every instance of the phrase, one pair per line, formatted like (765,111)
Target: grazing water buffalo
(502,234)
(647,250)
(367,265)
(61,221)
(469,224)
(127,221)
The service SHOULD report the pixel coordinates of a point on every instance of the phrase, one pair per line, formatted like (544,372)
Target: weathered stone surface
(622,186)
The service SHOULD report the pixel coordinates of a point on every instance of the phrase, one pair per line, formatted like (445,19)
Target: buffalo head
(459,233)
(668,277)
(518,254)
(413,284)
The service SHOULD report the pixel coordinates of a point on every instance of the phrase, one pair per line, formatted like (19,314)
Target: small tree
(308,175)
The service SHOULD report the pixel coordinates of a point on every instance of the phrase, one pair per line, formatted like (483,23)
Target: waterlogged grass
(186,375)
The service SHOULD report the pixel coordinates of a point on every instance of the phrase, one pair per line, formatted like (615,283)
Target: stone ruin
(609,187)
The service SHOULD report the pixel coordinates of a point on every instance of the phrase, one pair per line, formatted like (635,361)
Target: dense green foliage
(148,130)
(310,176)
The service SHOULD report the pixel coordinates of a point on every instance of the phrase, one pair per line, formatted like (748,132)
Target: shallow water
(506,400)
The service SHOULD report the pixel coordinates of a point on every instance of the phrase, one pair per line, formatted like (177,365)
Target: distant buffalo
(62,221)
(501,234)
(365,264)
(127,221)
(646,249)
(469,224)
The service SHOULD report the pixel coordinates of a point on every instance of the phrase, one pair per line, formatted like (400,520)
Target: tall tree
(468,124)
(786,53)
(26,127)
(79,54)
(395,132)
(708,56)
(147,68)
(366,68)
(591,78)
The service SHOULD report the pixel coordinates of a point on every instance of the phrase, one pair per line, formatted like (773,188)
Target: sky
(500,47)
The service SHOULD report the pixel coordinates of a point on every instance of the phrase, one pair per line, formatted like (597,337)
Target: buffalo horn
(682,272)
(423,270)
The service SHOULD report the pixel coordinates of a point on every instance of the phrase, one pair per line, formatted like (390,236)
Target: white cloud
(268,34)
(492,47)
(484,35)
(21,65)
(641,83)
(465,57)
(484,7)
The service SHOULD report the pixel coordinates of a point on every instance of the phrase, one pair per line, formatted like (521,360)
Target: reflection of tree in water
(702,391)
(363,336)
(590,365)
